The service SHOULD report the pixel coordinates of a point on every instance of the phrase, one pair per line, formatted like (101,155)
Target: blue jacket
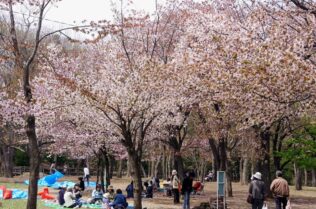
(119,200)
(130,191)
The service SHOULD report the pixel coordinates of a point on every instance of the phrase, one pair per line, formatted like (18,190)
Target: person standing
(52,168)
(280,190)
(187,189)
(130,190)
(257,190)
(175,187)
(65,169)
(86,174)
(81,184)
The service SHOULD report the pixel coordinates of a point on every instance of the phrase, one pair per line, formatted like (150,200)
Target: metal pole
(217,189)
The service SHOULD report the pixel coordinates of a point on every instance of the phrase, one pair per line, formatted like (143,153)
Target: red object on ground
(45,191)
(3,188)
(7,194)
(46,196)
(197,186)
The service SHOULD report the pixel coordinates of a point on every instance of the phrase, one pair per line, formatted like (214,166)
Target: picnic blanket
(57,206)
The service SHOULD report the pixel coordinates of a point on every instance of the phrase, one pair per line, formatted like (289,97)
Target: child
(97,195)
(106,201)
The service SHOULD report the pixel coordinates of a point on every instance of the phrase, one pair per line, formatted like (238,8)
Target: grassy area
(14,186)
(20,204)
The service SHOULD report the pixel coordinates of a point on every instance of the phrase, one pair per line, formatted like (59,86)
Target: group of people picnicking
(258,194)
(72,197)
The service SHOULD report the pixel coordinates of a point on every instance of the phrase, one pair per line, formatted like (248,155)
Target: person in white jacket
(70,199)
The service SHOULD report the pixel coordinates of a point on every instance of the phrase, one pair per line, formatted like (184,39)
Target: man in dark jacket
(187,189)
(130,190)
(257,190)
(119,200)
(81,183)
(61,194)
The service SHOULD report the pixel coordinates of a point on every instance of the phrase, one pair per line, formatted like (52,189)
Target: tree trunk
(305,177)
(178,164)
(156,170)
(7,155)
(120,169)
(137,178)
(264,165)
(98,168)
(245,172)
(102,176)
(34,162)
(128,172)
(313,177)
(215,155)
(143,170)
(298,178)
(229,179)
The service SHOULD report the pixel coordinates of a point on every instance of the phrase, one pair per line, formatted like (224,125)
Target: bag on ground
(265,206)
(288,205)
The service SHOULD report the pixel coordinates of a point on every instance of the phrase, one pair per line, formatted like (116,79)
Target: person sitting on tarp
(149,190)
(70,199)
(111,191)
(106,201)
(97,195)
(119,200)
(61,194)
(77,192)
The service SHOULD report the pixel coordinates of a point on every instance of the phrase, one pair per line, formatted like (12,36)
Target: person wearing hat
(111,192)
(280,190)
(106,201)
(257,190)
(175,187)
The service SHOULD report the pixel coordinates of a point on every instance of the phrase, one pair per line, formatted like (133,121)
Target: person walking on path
(130,190)
(280,190)
(257,190)
(187,189)
(175,187)
(86,174)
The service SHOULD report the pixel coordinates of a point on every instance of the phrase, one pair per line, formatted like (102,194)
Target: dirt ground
(305,199)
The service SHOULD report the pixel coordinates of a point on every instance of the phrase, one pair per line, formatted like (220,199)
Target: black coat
(187,185)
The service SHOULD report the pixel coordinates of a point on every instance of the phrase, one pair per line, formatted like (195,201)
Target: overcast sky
(69,11)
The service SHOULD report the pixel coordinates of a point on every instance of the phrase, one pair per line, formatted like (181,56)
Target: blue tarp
(56,185)
(19,194)
(49,180)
